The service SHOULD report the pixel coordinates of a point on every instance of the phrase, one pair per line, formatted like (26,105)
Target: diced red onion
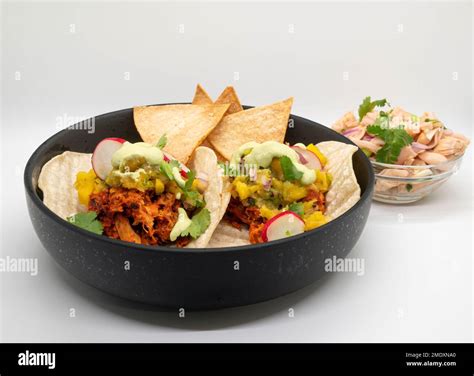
(298,150)
(266,182)
(368,137)
(202,176)
(417,147)
(203,180)
(310,159)
(350,131)
(448,132)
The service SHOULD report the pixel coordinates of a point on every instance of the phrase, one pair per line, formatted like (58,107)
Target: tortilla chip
(201,96)
(229,96)
(57,179)
(344,191)
(226,235)
(217,194)
(185,125)
(259,124)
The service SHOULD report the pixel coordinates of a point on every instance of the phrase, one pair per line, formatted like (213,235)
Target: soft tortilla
(185,125)
(57,179)
(58,176)
(342,195)
(217,194)
(229,96)
(226,235)
(201,96)
(344,191)
(207,144)
(259,124)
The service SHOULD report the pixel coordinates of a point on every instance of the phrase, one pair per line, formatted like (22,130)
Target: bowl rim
(31,192)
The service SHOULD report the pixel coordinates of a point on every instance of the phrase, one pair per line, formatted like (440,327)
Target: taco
(279,190)
(138,193)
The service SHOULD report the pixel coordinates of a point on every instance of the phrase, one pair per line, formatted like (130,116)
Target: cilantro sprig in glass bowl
(411,155)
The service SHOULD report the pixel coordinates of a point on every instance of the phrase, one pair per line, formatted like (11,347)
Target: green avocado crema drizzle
(262,155)
(152,154)
(181,225)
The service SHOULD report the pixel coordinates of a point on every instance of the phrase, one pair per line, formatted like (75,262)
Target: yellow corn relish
(313,220)
(87,183)
(199,185)
(159,186)
(267,212)
(245,190)
(292,192)
(323,181)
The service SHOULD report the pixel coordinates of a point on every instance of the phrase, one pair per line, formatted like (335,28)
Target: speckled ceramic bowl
(192,278)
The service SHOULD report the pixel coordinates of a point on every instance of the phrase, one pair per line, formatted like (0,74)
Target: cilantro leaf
(162,142)
(199,223)
(395,140)
(174,163)
(192,197)
(166,170)
(189,183)
(289,170)
(367,106)
(297,208)
(383,120)
(87,221)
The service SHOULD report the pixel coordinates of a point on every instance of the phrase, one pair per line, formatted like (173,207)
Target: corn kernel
(84,184)
(314,220)
(159,186)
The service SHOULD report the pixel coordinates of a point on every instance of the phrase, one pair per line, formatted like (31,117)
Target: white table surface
(418,282)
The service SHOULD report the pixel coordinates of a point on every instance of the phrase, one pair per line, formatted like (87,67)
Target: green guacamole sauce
(262,155)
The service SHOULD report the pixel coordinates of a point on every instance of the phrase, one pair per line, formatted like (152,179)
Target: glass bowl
(399,184)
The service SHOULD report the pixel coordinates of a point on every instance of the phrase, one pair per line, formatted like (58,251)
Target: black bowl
(191,278)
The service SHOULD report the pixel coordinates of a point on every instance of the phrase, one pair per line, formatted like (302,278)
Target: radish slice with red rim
(183,170)
(308,158)
(102,156)
(282,226)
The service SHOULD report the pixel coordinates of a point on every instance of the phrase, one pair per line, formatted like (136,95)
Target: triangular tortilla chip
(201,96)
(185,125)
(259,124)
(229,96)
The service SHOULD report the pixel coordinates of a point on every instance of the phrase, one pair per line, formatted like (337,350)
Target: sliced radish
(183,170)
(282,226)
(102,156)
(308,158)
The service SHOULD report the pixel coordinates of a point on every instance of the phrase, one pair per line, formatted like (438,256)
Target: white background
(73,60)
